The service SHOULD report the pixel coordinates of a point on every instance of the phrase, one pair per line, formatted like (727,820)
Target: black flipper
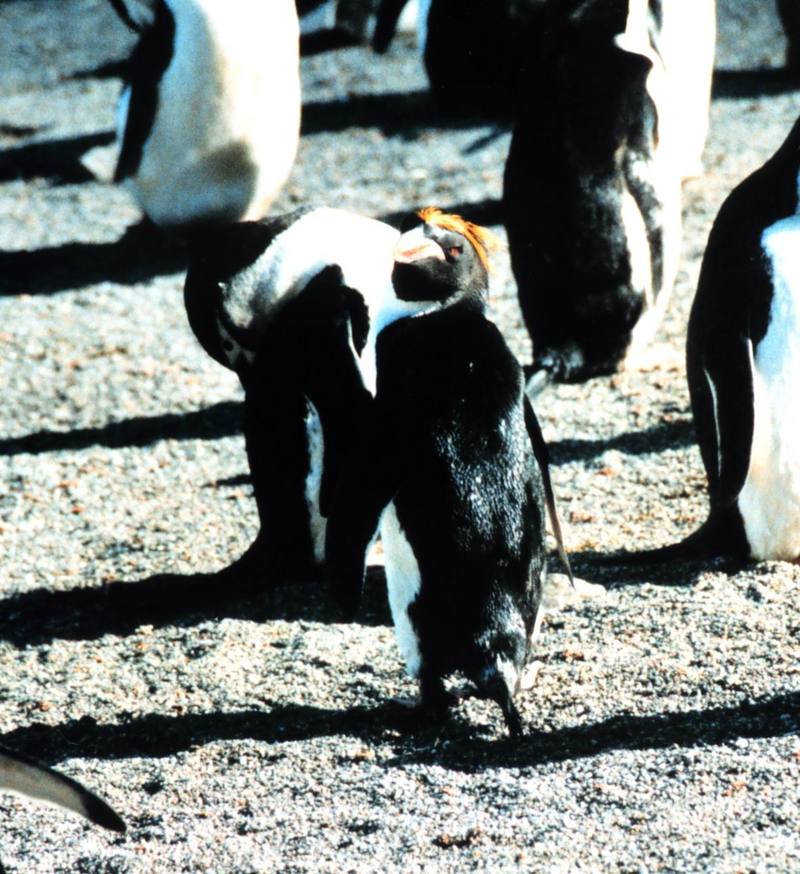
(387,17)
(543,458)
(20,774)
(367,486)
(724,412)
(149,60)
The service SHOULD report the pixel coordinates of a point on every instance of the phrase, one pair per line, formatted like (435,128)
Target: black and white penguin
(472,50)
(22,775)
(263,301)
(743,369)
(210,113)
(592,183)
(452,467)
(789,12)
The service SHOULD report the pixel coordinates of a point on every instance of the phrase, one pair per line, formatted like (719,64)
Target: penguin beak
(414,245)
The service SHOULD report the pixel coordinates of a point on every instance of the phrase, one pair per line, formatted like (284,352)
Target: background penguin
(592,188)
(20,774)
(209,116)
(743,369)
(248,298)
(472,49)
(789,11)
(453,466)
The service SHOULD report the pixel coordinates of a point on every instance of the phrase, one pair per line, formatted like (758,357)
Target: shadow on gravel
(770,717)
(160,735)
(404,113)
(38,617)
(752,83)
(612,571)
(667,435)
(219,420)
(140,254)
(56,160)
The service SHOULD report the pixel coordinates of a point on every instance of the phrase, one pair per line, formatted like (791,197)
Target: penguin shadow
(396,113)
(658,438)
(239,591)
(620,570)
(58,161)
(223,419)
(774,716)
(456,746)
(140,254)
(753,83)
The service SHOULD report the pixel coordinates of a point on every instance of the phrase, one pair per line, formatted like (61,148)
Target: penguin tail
(713,539)
(386,24)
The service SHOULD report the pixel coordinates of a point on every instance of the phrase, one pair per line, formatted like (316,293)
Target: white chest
(770,500)
(403,583)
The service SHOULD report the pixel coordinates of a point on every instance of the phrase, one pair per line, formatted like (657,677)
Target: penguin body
(591,193)
(209,117)
(287,304)
(22,775)
(743,363)
(472,50)
(452,469)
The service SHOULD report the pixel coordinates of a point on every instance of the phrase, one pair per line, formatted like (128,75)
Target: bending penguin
(592,181)
(22,775)
(210,111)
(452,468)
(743,369)
(288,303)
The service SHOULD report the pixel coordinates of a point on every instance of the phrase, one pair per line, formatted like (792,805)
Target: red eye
(454,252)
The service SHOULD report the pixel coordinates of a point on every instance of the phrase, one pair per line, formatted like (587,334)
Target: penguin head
(441,258)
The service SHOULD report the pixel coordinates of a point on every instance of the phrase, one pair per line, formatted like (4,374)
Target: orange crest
(482,240)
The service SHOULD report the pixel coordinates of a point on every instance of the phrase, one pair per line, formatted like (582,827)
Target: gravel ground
(242,731)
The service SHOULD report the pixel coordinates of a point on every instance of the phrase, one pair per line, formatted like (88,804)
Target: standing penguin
(210,113)
(743,369)
(264,301)
(592,186)
(472,49)
(452,465)
(20,774)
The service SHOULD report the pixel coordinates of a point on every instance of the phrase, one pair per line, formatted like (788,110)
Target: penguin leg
(435,700)
(275,438)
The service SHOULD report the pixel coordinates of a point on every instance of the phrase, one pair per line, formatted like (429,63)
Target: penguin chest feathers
(770,499)
(225,133)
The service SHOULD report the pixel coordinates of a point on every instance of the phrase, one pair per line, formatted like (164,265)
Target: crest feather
(482,240)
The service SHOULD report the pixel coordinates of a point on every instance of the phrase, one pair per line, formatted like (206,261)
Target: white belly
(403,582)
(770,500)
(316,449)
(225,134)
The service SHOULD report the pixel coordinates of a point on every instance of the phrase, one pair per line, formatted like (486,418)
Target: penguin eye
(453,253)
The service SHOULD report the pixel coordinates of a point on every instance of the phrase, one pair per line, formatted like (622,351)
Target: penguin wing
(26,777)
(543,459)
(138,15)
(149,60)
(371,476)
(721,387)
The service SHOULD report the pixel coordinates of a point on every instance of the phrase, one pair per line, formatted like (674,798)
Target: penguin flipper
(149,60)
(365,488)
(723,402)
(543,459)
(20,774)
(386,24)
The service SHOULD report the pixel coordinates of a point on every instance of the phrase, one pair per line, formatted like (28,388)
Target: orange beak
(414,246)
